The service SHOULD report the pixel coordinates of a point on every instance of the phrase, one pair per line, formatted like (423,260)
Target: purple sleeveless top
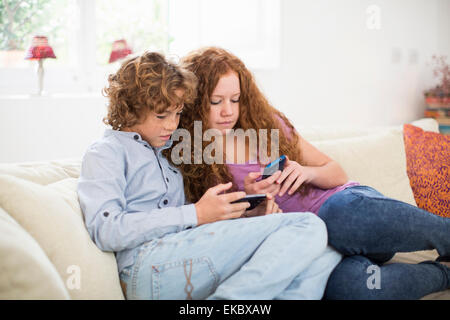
(288,203)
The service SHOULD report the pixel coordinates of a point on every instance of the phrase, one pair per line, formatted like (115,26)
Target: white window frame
(189,33)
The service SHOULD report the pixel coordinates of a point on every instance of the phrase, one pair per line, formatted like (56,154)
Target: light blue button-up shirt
(130,194)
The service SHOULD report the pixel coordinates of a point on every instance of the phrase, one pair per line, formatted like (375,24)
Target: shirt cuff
(189,216)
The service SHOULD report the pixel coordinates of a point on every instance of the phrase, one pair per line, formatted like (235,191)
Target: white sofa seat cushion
(52,216)
(25,270)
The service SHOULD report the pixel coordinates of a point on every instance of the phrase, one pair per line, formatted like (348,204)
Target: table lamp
(39,51)
(120,50)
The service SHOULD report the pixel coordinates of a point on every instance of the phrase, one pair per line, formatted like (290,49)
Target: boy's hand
(269,206)
(214,206)
(265,186)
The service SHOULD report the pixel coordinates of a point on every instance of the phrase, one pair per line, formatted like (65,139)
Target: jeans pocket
(126,272)
(183,280)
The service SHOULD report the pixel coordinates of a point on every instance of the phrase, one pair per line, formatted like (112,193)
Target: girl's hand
(293,176)
(214,206)
(269,206)
(265,186)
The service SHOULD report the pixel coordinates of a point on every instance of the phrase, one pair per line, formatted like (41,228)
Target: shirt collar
(135,137)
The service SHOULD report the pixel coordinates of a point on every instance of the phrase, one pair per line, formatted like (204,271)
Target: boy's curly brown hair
(146,83)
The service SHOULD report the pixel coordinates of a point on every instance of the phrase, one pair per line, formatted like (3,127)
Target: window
(21,20)
(249,28)
(142,23)
(81,33)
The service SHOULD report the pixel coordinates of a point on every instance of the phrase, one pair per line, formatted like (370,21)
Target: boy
(134,205)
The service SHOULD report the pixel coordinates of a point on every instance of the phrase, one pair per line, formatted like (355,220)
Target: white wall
(49,128)
(334,70)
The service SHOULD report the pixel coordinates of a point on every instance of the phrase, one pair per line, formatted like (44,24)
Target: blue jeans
(368,229)
(278,256)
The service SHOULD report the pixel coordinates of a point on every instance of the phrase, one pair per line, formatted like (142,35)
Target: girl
(359,219)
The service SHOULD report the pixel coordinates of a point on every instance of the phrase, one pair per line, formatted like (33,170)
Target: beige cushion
(52,216)
(43,172)
(427,124)
(25,271)
(377,160)
(321,133)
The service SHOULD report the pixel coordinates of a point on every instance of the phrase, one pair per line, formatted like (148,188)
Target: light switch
(396,55)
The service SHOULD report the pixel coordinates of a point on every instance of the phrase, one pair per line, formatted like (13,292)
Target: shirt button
(105,214)
(167,179)
(165,201)
(136,137)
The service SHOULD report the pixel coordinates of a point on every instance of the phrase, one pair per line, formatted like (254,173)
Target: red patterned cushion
(428,168)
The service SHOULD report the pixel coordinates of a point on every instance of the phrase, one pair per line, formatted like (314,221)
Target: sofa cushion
(52,216)
(321,133)
(25,270)
(428,169)
(43,172)
(376,160)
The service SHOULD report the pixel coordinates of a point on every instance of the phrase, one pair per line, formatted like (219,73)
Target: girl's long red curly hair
(209,65)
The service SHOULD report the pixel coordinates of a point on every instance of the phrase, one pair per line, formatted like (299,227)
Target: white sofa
(46,252)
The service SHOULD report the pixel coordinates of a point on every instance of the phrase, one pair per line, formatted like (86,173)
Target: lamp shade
(119,50)
(39,49)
